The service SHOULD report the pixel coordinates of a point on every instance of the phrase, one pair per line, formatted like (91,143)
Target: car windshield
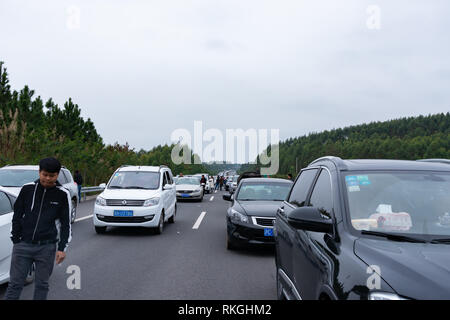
(268,191)
(400,202)
(188,180)
(17,177)
(135,180)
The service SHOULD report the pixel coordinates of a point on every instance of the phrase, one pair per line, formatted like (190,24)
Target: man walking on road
(78,178)
(42,207)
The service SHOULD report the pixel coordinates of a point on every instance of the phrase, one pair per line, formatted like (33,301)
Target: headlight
(100,201)
(151,202)
(198,190)
(237,216)
(384,296)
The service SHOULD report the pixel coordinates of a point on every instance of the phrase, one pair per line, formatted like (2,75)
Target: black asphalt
(182,263)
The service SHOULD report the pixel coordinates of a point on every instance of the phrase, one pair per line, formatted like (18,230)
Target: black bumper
(248,234)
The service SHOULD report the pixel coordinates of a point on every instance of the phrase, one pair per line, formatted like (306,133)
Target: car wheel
(230,245)
(73,214)
(30,276)
(172,218)
(100,230)
(160,227)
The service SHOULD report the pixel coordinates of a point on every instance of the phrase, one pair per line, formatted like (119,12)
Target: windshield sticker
(364,224)
(350,178)
(395,221)
(353,188)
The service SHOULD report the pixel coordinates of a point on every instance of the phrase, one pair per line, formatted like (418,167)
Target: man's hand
(60,256)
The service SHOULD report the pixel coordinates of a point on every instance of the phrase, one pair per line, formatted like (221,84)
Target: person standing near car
(78,178)
(41,230)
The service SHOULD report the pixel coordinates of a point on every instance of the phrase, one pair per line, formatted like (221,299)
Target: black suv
(365,229)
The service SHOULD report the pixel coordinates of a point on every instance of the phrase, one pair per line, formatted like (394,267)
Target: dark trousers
(22,258)
(79,193)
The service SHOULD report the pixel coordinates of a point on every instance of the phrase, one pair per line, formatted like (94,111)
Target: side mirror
(227,197)
(168,187)
(102,185)
(309,219)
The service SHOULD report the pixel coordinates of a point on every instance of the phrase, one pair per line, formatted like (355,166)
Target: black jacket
(42,214)
(78,178)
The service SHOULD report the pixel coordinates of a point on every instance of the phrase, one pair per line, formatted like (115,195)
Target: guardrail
(85,190)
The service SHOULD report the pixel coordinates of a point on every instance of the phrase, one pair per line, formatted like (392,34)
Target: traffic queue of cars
(353,229)
(344,229)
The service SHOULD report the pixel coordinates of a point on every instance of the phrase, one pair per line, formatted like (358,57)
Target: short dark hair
(51,165)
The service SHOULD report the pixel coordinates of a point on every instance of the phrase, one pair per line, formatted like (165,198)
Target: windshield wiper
(441,240)
(394,237)
(135,187)
(115,187)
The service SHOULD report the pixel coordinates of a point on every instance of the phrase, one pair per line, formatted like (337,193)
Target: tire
(73,214)
(172,218)
(100,230)
(160,228)
(230,245)
(30,276)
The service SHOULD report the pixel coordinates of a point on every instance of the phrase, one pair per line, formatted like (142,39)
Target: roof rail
(338,162)
(446,161)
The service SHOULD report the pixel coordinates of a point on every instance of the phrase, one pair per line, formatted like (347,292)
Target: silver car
(7,199)
(13,177)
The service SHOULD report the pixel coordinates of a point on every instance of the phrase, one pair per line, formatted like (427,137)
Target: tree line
(408,138)
(31,129)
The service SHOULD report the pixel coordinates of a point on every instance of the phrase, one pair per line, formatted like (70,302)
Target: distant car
(137,196)
(7,199)
(13,177)
(365,230)
(232,184)
(252,213)
(189,188)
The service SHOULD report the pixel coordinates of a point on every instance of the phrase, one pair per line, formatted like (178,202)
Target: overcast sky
(141,69)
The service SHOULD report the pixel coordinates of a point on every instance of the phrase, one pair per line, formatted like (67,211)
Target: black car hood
(259,208)
(413,270)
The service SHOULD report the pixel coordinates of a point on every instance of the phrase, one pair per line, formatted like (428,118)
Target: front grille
(123,219)
(264,222)
(128,203)
(185,191)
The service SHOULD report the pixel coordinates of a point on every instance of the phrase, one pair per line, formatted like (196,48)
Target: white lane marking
(199,220)
(215,191)
(84,218)
(212,198)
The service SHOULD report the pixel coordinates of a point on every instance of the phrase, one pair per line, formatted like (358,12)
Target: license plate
(185,195)
(123,213)
(268,232)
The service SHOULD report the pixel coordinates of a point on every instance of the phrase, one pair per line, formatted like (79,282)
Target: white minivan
(137,196)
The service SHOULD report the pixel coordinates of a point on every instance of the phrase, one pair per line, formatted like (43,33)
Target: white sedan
(7,200)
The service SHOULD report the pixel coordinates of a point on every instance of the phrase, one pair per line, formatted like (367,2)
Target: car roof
(140,168)
(266,180)
(21,167)
(382,164)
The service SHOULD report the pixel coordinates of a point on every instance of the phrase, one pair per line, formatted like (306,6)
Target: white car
(15,176)
(137,196)
(189,187)
(7,199)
